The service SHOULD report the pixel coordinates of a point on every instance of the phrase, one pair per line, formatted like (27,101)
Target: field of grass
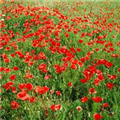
(60,60)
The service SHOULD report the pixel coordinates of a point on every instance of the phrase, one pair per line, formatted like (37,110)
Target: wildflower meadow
(59,60)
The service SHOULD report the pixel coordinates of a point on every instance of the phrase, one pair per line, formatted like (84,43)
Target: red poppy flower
(8,85)
(112,77)
(73,66)
(41,56)
(82,35)
(96,99)
(105,105)
(42,67)
(23,96)
(78,49)
(82,59)
(58,93)
(47,77)
(73,50)
(92,90)
(36,90)
(32,99)
(69,84)
(109,64)
(83,80)
(1,69)
(14,105)
(66,34)
(96,82)
(29,86)
(97,116)
(41,90)
(113,36)
(119,69)
(55,107)
(7,70)
(7,60)
(12,55)
(12,77)
(100,37)
(80,41)
(109,85)
(15,68)
(21,86)
(84,99)
(80,63)
(13,89)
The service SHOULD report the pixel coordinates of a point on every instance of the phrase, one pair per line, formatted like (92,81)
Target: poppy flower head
(84,99)
(41,90)
(21,86)
(13,89)
(109,85)
(15,68)
(23,96)
(14,105)
(12,77)
(105,105)
(55,107)
(29,86)
(58,93)
(96,99)
(92,90)
(32,99)
(97,116)
(69,84)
